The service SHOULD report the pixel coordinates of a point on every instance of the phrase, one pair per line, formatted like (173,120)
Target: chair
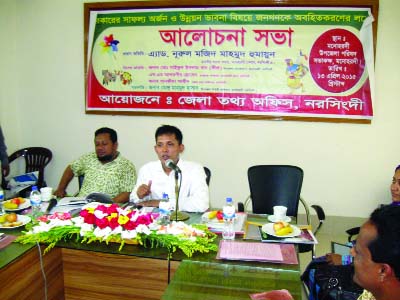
(272,185)
(208,175)
(352,232)
(36,159)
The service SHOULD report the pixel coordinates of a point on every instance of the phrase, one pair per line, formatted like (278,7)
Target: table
(100,271)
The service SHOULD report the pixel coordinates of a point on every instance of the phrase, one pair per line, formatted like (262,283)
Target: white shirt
(193,194)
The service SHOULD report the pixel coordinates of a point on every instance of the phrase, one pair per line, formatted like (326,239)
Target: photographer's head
(377,254)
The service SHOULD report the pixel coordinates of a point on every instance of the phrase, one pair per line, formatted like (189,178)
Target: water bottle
(1,201)
(229,220)
(164,210)
(36,201)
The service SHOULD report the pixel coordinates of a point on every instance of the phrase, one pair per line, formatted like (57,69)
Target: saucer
(273,219)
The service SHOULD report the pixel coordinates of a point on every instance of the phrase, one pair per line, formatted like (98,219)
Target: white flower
(141,228)
(123,211)
(78,221)
(58,222)
(99,214)
(86,227)
(117,230)
(128,234)
(104,233)
(42,227)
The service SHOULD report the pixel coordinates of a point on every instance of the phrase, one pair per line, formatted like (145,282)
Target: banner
(300,62)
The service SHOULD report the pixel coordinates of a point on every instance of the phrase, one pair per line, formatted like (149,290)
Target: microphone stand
(178,215)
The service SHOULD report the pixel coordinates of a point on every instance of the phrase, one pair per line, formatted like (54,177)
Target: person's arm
(337,259)
(122,197)
(64,181)
(334,259)
(5,168)
(196,190)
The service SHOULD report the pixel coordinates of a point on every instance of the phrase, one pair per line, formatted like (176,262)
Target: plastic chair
(36,159)
(272,185)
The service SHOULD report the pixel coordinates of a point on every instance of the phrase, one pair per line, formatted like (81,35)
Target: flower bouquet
(110,223)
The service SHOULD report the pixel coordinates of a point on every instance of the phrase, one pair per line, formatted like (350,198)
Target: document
(68,204)
(233,250)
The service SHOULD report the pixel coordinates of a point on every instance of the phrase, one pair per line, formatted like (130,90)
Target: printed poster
(300,62)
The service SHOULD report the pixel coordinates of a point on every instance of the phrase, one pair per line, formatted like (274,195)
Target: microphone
(171,165)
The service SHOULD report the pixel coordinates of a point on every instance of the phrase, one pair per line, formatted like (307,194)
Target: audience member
(377,255)
(104,171)
(5,168)
(338,259)
(156,179)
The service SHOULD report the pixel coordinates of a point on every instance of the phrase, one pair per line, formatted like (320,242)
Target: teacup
(47,193)
(280,212)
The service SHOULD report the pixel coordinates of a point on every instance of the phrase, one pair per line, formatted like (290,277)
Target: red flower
(43,218)
(131,214)
(144,219)
(130,225)
(102,223)
(61,216)
(89,219)
(112,208)
(113,223)
(102,208)
(84,213)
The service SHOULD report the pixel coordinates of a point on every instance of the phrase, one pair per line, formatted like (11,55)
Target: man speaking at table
(156,179)
(105,170)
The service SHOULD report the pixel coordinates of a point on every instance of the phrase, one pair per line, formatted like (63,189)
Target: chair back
(36,159)
(272,185)
(208,175)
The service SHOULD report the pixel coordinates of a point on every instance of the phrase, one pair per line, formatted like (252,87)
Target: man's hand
(67,176)
(60,193)
(144,190)
(334,259)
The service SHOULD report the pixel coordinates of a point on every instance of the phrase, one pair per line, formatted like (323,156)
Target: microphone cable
(42,270)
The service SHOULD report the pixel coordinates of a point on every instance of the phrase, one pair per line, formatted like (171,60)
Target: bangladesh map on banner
(308,62)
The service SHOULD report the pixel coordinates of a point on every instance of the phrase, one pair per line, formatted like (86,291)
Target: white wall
(348,167)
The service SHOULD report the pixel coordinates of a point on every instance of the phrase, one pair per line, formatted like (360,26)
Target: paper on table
(6,240)
(249,251)
(251,231)
(71,201)
(68,204)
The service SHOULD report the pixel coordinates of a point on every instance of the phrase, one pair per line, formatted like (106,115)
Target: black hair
(169,129)
(111,132)
(386,247)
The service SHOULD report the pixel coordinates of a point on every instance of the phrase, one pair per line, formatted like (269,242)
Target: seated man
(156,179)
(105,170)
(377,255)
